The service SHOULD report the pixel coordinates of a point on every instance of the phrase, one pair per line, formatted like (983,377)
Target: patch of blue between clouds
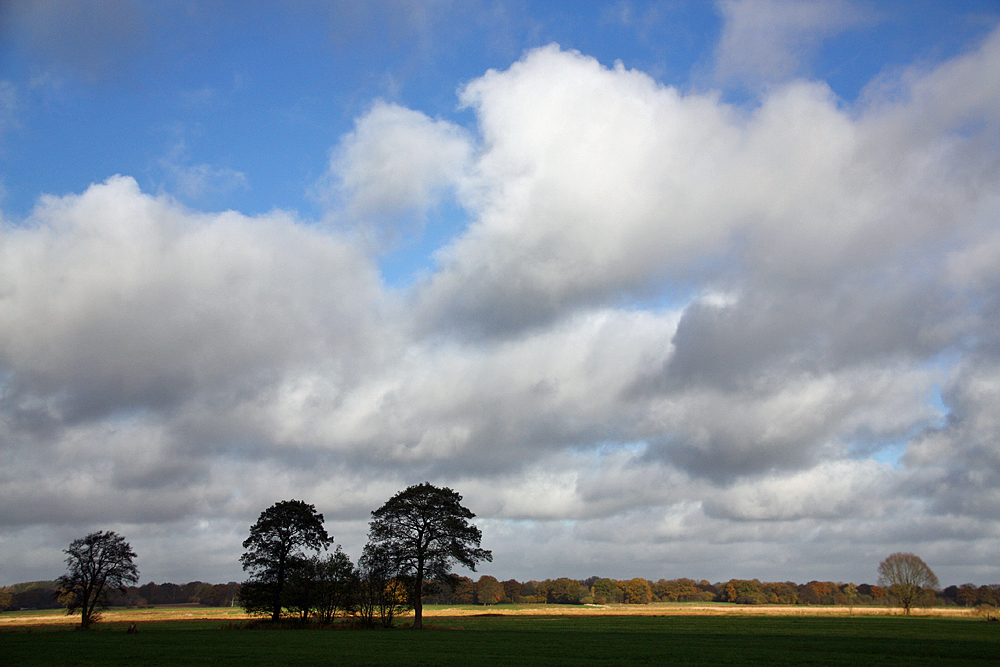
(892,451)
(413,256)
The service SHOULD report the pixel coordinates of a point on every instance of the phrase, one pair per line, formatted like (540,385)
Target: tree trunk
(276,609)
(87,614)
(418,594)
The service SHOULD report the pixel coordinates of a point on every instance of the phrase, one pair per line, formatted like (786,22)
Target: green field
(524,641)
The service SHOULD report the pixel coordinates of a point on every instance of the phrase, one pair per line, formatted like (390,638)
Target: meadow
(512,636)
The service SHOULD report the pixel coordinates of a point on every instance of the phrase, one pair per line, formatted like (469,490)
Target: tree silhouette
(275,550)
(98,564)
(426,530)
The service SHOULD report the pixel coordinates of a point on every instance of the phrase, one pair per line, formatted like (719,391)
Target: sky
(662,289)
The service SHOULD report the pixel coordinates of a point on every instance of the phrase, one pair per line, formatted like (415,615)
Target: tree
(512,590)
(6,600)
(906,577)
(381,589)
(564,591)
(98,564)
(275,550)
(300,594)
(967,595)
(219,595)
(638,591)
(489,590)
(426,530)
(851,595)
(336,585)
(463,589)
(606,591)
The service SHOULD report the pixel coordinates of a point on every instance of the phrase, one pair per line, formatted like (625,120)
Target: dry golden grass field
(196,612)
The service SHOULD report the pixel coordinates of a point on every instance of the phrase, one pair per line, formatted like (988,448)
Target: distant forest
(488,590)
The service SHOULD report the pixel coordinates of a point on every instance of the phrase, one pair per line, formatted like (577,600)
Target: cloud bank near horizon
(669,328)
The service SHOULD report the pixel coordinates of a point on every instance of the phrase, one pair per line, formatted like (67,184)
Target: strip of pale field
(119,615)
(231,614)
(687,609)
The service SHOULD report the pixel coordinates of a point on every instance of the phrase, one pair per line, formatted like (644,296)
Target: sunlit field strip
(235,614)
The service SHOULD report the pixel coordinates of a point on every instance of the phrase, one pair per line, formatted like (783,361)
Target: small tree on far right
(907,578)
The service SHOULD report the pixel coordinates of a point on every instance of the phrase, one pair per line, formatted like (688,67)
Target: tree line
(42,595)
(415,539)
(487,590)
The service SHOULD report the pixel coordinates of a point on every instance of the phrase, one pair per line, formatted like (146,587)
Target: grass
(524,640)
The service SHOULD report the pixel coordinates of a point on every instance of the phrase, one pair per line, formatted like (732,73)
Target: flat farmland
(140,616)
(516,635)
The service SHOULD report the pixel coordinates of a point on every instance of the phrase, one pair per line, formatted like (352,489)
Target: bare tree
(98,564)
(907,578)
(381,587)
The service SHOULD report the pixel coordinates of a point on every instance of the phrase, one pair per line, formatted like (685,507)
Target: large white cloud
(671,327)
(114,299)
(396,162)
(607,183)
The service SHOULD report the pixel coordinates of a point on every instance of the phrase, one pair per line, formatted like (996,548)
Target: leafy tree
(778,592)
(275,550)
(98,564)
(817,592)
(850,592)
(36,595)
(489,590)
(564,591)
(512,590)
(533,591)
(988,595)
(906,577)
(425,529)
(463,590)
(741,591)
(638,591)
(605,591)
(300,595)
(219,595)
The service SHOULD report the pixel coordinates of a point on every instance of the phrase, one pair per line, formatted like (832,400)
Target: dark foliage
(275,550)
(98,564)
(425,530)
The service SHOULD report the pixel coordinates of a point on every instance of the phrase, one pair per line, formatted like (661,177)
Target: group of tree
(599,590)
(970,595)
(415,539)
(417,536)
(904,581)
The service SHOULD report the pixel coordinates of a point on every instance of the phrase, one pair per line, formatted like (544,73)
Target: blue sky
(665,286)
(259,96)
